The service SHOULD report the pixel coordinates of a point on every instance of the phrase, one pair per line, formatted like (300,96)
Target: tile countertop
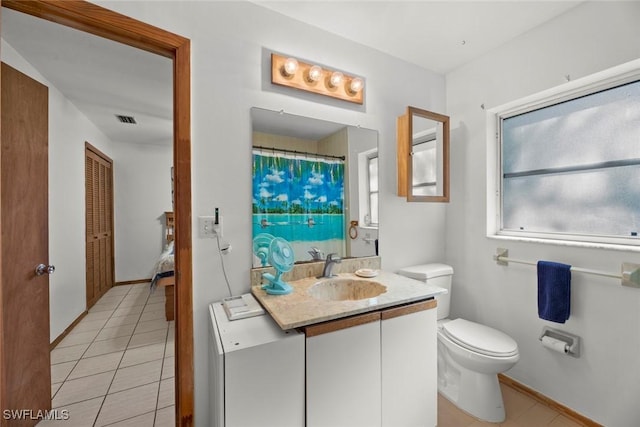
(299,309)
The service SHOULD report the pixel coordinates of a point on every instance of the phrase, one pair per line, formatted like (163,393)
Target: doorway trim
(90,18)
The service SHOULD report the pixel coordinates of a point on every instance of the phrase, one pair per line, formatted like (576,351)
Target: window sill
(568,243)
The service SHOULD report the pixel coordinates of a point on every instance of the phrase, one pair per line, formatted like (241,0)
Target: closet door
(99,223)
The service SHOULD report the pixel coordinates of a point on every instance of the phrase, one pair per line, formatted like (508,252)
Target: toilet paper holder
(572,347)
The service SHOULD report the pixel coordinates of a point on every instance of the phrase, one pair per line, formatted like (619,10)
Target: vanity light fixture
(335,79)
(314,74)
(356,85)
(291,72)
(289,67)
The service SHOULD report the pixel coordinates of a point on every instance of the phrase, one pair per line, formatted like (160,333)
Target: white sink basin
(343,289)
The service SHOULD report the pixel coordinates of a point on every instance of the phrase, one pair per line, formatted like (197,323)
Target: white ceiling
(437,35)
(104,78)
(100,77)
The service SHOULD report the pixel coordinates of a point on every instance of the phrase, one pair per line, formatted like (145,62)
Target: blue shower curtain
(301,199)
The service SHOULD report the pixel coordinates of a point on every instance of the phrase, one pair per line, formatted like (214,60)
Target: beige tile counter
(299,308)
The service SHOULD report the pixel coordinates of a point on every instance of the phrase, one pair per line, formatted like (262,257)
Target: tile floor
(116,367)
(522,411)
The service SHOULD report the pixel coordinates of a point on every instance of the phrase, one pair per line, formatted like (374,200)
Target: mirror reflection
(426,159)
(315,184)
(423,156)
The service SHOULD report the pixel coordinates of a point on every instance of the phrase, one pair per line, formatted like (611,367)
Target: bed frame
(168,283)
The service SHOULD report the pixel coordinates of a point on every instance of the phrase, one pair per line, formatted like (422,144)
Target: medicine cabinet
(423,156)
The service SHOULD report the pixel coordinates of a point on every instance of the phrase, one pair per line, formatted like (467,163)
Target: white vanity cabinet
(374,369)
(256,372)
(409,365)
(343,372)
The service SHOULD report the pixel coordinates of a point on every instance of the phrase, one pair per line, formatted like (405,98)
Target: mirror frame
(405,153)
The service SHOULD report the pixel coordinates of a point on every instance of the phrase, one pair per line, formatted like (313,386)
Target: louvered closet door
(99,223)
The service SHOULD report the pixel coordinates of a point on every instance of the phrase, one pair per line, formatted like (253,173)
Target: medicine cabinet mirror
(315,184)
(423,156)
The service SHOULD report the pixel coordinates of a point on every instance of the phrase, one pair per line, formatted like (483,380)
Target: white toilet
(470,355)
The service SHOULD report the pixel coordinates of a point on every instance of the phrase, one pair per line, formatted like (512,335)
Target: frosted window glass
(424,164)
(600,127)
(593,131)
(373,200)
(373,174)
(424,171)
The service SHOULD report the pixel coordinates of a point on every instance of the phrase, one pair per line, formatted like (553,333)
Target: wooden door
(25,376)
(99,223)
(91,18)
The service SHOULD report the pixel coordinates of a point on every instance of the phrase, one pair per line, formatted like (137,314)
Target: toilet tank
(436,275)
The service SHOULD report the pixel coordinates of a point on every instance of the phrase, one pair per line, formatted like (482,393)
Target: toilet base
(476,393)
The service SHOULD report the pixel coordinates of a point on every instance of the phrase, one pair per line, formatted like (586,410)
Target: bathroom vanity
(256,372)
(374,369)
(370,348)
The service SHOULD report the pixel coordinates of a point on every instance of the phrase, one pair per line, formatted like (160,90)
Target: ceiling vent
(126,119)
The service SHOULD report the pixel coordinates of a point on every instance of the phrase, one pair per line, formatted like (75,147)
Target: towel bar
(629,276)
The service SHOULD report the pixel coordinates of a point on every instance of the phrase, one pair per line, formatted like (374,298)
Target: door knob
(45,269)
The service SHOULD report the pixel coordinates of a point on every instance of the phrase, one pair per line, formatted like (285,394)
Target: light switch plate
(206,227)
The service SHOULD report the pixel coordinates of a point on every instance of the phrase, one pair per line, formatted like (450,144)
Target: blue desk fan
(281,258)
(261,247)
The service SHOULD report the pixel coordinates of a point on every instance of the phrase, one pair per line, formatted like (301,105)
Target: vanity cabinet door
(409,365)
(343,372)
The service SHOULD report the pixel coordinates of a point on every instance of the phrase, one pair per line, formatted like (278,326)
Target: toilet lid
(480,338)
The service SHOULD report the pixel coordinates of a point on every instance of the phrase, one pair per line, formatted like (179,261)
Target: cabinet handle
(337,325)
(403,310)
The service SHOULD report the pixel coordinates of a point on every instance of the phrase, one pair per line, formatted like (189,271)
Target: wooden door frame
(90,18)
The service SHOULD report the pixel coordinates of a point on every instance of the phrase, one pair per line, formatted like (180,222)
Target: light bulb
(336,79)
(356,85)
(315,73)
(290,67)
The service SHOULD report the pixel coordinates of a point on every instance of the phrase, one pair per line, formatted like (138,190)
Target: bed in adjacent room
(164,274)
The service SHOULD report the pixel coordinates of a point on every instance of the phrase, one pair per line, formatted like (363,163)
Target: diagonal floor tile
(148,353)
(166,417)
(136,375)
(80,414)
(107,346)
(74,391)
(96,365)
(128,404)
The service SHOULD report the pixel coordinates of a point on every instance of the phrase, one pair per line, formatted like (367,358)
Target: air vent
(126,119)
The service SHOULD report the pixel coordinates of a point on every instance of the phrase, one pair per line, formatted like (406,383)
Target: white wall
(227,80)
(142,193)
(602,383)
(68,131)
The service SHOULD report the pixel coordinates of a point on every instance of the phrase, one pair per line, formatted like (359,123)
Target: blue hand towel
(554,291)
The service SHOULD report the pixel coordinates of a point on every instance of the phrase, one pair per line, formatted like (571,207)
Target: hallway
(116,367)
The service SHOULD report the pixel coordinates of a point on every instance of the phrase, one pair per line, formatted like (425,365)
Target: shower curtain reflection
(299,197)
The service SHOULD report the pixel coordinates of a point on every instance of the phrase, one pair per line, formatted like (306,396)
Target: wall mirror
(315,184)
(423,156)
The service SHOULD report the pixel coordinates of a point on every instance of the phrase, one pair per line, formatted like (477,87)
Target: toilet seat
(480,338)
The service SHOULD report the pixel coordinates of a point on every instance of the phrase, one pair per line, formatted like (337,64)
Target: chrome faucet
(315,253)
(328,265)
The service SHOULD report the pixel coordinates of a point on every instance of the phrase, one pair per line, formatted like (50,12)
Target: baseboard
(66,331)
(132,282)
(566,411)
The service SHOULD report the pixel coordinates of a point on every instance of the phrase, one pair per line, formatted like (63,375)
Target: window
(425,166)
(372,178)
(569,167)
